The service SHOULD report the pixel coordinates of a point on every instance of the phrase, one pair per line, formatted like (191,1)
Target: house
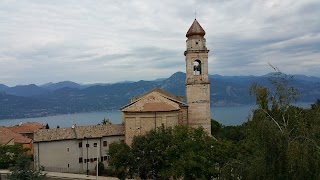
(75,149)
(8,137)
(27,129)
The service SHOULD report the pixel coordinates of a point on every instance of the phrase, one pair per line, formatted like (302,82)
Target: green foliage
(165,153)
(101,168)
(22,170)
(227,133)
(195,155)
(280,141)
(215,127)
(110,172)
(120,159)
(316,104)
(9,154)
(150,153)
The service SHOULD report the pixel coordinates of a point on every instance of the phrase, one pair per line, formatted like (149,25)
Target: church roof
(195,29)
(162,92)
(156,100)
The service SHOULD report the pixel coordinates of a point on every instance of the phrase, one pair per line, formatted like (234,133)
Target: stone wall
(140,123)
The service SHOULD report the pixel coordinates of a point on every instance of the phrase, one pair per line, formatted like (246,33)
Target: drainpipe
(38,144)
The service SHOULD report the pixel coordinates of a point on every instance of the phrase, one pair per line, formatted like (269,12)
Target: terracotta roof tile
(28,127)
(6,135)
(79,132)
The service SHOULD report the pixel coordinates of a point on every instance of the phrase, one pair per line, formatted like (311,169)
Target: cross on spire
(195,14)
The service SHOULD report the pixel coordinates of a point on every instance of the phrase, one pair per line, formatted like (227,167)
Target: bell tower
(197,80)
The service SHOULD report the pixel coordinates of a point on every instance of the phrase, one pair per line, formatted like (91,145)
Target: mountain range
(69,97)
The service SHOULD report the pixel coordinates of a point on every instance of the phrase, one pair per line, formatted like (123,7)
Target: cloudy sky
(115,40)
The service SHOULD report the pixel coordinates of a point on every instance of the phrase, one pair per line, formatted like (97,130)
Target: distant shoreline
(226,115)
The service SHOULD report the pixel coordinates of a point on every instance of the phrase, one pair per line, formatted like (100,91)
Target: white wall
(57,155)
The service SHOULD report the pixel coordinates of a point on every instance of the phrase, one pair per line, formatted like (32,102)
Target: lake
(231,115)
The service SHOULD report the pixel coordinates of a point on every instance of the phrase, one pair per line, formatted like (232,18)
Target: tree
(101,168)
(150,154)
(164,153)
(105,121)
(22,170)
(196,155)
(281,138)
(9,154)
(120,159)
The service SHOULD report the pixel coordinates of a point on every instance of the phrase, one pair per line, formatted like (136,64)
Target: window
(101,158)
(91,159)
(80,144)
(94,144)
(122,140)
(85,160)
(105,158)
(68,165)
(67,149)
(197,67)
(105,143)
(95,159)
(80,159)
(87,145)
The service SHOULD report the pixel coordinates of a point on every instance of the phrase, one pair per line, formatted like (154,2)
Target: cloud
(108,41)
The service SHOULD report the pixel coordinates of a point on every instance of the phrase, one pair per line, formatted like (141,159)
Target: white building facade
(75,149)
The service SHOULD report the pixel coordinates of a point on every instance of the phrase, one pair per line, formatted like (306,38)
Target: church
(159,108)
(78,148)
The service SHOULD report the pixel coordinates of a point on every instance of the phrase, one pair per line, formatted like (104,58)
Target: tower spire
(195,29)
(197,78)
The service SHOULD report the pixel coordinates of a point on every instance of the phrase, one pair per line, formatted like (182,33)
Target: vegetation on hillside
(279,141)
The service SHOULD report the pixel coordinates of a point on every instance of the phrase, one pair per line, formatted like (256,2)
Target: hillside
(34,101)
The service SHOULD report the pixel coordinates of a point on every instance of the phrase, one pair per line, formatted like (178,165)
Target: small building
(27,129)
(75,149)
(8,137)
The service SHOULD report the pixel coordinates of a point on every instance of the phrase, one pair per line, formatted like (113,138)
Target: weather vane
(195,14)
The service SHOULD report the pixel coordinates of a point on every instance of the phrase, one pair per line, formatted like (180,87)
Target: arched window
(197,67)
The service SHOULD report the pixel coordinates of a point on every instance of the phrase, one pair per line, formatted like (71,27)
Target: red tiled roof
(28,127)
(156,106)
(6,135)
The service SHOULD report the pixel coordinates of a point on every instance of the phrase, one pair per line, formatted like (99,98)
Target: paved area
(57,175)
